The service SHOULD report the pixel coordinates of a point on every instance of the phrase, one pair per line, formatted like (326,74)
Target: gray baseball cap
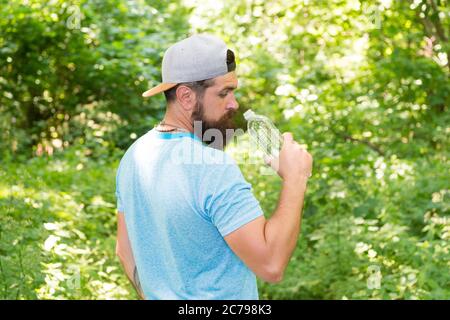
(199,57)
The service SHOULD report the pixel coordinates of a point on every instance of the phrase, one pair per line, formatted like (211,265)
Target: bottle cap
(248,114)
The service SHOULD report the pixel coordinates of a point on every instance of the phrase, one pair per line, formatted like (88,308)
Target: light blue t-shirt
(180,198)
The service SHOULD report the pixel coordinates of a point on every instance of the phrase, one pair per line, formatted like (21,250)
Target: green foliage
(60,59)
(58,233)
(364,84)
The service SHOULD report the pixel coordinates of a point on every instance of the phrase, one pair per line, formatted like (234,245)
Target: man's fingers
(267,160)
(287,137)
(272,162)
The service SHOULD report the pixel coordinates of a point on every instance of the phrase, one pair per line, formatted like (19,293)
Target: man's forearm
(282,229)
(137,283)
(132,275)
(127,261)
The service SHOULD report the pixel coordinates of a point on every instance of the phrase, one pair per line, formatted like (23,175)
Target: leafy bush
(58,233)
(364,85)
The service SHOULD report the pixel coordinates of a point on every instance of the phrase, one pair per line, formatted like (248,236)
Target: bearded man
(190,227)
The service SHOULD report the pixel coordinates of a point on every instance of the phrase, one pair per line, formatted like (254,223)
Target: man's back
(180,198)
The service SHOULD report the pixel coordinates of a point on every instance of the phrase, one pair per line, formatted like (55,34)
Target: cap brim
(159,88)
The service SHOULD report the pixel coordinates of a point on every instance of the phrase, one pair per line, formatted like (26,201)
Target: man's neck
(173,119)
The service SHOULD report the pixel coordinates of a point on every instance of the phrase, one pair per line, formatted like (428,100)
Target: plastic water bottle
(264,134)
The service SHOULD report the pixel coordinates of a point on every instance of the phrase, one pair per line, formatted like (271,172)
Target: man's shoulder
(218,157)
(220,166)
(138,146)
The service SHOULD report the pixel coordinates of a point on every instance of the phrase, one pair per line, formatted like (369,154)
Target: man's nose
(232,104)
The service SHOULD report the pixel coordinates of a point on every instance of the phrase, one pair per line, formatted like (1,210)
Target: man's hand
(294,163)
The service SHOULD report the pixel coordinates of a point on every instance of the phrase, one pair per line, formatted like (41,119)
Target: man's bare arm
(125,253)
(266,246)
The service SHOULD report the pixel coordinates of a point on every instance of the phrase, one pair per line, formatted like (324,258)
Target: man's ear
(186,97)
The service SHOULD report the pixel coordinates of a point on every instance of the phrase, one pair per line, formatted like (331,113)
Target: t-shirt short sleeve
(119,202)
(231,204)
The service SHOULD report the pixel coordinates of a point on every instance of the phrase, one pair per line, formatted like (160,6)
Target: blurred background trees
(364,84)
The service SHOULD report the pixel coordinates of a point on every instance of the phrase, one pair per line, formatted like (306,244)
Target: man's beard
(225,127)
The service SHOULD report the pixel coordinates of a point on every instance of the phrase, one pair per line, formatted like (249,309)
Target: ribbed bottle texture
(264,134)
